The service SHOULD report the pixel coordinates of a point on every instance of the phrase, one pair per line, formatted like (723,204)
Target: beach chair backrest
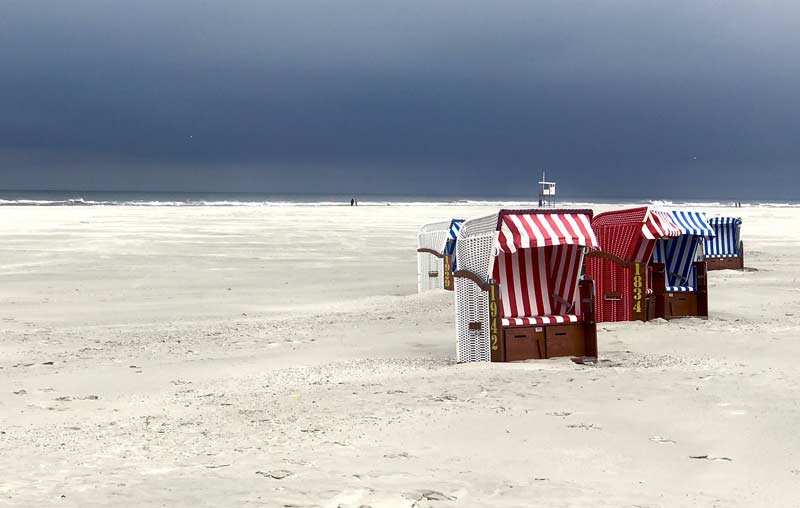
(678,254)
(727,240)
(539,282)
(539,259)
(631,236)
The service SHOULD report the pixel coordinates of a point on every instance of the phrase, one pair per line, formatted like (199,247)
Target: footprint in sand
(278,474)
(401,455)
(584,426)
(710,457)
(660,439)
(429,495)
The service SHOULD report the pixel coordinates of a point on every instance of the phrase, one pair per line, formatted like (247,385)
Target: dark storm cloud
(375,95)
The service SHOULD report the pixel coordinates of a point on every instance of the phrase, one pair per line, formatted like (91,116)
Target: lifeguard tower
(547,193)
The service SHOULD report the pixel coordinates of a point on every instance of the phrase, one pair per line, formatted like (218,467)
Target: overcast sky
(693,98)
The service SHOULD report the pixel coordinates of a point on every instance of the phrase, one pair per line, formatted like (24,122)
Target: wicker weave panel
(426,263)
(473,253)
(478,227)
(431,236)
(472,306)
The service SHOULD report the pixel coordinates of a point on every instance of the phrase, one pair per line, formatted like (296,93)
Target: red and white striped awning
(659,224)
(534,230)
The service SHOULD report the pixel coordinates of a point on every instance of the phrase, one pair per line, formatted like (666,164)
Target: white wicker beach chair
(435,249)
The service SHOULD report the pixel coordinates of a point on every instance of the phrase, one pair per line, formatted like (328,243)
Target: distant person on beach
(352,201)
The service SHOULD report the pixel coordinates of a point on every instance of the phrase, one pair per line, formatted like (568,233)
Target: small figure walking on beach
(352,201)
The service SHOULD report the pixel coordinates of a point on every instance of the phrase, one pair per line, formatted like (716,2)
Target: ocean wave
(45,202)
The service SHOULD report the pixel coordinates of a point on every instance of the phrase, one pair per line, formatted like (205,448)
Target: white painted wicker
(431,236)
(474,253)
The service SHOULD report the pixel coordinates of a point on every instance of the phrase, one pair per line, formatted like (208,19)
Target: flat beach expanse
(280,356)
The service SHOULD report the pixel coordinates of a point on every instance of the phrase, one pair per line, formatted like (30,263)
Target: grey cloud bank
(378,96)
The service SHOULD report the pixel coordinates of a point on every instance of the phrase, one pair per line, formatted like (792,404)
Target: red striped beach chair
(518,290)
(649,265)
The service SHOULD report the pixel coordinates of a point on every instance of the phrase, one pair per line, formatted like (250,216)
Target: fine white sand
(279,357)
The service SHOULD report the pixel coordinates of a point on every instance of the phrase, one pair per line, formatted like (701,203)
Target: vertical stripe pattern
(632,235)
(539,282)
(692,223)
(726,241)
(678,255)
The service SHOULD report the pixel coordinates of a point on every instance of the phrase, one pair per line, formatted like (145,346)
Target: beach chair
(680,283)
(620,269)
(726,250)
(650,264)
(518,290)
(436,244)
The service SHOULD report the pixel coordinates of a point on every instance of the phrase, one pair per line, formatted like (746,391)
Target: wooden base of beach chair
(726,263)
(650,303)
(672,305)
(550,341)
(676,305)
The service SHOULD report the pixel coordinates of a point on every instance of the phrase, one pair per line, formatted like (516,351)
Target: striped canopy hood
(530,229)
(692,223)
(631,233)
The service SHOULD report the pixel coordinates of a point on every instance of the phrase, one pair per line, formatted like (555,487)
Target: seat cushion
(679,289)
(541,320)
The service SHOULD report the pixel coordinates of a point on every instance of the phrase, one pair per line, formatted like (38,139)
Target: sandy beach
(280,356)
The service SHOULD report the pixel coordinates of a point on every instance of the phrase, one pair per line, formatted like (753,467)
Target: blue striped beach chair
(436,246)
(726,250)
(679,268)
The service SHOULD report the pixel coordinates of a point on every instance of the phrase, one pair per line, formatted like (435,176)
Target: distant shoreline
(372,202)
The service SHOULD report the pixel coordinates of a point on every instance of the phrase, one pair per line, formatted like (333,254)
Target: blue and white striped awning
(693,223)
(455,227)
(452,236)
(726,242)
(724,221)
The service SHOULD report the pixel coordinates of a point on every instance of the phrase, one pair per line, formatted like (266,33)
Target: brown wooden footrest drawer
(565,340)
(682,304)
(524,343)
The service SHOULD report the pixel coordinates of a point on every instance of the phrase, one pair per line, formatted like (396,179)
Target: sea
(163,198)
